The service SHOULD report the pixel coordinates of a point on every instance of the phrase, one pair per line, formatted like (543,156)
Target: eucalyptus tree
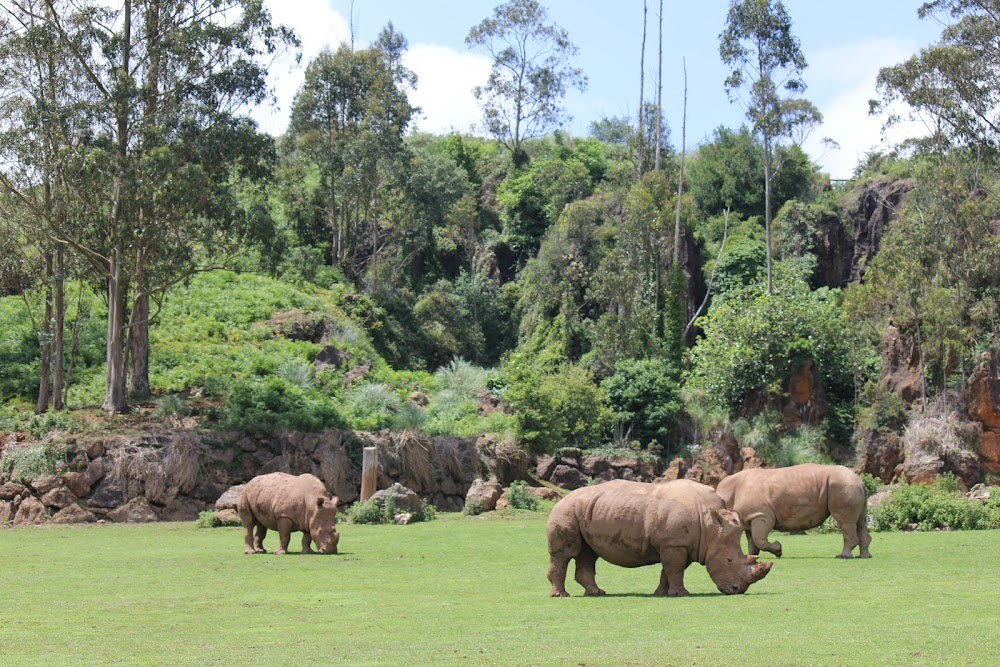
(956,80)
(163,83)
(531,73)
(348,118)
(765,57)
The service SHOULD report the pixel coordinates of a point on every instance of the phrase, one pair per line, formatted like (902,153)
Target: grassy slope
(472,591)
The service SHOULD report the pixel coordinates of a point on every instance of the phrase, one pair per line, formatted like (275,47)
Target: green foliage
(208,519)
(372,406)
(473,507)
(871,482)
(170,405)
(805,444)
(753,343)
(272,403)
(579,405)
(27,463)
(645,397)
(370,512)
(881,409)
(929,508)
(520,498)
(296,371)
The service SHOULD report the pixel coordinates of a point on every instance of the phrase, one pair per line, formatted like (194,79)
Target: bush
(644,395)
(871,483)
(520,498)
(272,403)
(473,507)
(369,512)
(208,519)
(929,508)
(24,464)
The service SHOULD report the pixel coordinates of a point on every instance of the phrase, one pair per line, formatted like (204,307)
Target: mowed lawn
(472,591)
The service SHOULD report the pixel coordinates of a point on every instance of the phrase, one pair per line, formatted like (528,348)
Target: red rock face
(900,365)
(984,407)
(807,403)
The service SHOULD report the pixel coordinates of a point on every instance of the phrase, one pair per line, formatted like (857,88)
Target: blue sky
(845,43)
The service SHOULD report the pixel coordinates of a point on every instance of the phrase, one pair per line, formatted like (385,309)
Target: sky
(845,44)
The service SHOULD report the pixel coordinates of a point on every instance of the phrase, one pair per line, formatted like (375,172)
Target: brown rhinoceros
(632,524)
(287,503)
(798,498)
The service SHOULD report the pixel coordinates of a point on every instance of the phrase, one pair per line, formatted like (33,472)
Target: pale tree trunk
(640,137)
(138,336)
(114,395)
(45,372)
(58,340)
(659,94)
(680,177)
(767,208)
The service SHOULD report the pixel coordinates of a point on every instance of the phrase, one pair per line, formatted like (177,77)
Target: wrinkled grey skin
(632,524)
(287,503)
(798,498)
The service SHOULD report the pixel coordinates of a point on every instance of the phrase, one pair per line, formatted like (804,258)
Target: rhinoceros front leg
(674,563)
(306,541)
(760,527)
(284,535)
(586,570)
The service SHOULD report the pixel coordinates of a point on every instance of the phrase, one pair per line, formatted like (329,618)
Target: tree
(530,75)
(957,80)
(348,118)
(757,43)
(158,82)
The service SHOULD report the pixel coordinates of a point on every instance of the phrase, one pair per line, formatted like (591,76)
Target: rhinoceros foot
(596,591)
(558,594)
(845,556)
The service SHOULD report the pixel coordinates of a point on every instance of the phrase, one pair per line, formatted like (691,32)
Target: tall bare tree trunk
(641,135)
(767,207)
(114,393)
(680,177)
(138,335)
(659,95)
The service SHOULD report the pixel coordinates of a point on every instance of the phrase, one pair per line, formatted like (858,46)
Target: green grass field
(472,591)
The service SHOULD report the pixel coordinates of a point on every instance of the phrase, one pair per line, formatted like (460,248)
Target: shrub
(644,395)
(297,371)
(929,508)
(473,507)
(520,498)
(170,405)
(871,483)
(265,405)
(369,512)
(24,464)
(208,519)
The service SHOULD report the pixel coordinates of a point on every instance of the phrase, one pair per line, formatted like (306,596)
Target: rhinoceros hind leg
(751,547)
(760,527)
(258,543)
(586,570)
(565,542)
(850,529)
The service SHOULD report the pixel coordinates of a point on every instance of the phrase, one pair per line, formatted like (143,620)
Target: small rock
(486,492)
(73,514)
(403,519)
(136,510)
(58,498)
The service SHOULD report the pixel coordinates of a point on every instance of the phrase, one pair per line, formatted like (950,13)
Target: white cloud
(318,26)
(849,73)
(445,79)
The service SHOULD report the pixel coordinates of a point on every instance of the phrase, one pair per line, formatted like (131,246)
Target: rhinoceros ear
(725,523)
(320,502)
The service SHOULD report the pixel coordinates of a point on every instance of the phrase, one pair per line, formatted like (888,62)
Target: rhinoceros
(798,498)
(287,503)
(632,524)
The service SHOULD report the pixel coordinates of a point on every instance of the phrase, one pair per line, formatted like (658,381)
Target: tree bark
(659,95)
(114,394)
(767,207)
(45,371)
(60,323)
(641,137)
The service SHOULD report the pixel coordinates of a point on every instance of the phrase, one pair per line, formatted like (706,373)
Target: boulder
(404,499)
(487,403)
(544,493)
(7,511)
(544,465)
(488,493)
(984,391)
(228,517)
(229,499)
(593,466)
(136,510)
(73,513)
(568,477)
(676,470)
(95,449)
(109,493)
(989,451)
(78,483)
(46,483)
(31,511)
(358,372)
(330,357)
(8,490)
(180,508)
(710,466)
(58,498)
(750,459)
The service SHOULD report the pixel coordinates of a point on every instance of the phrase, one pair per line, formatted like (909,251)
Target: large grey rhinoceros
(287,503)
(798,498)
(632,524)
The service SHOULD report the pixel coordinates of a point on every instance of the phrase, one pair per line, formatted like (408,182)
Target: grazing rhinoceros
(287,503)
(797,498)
(633,524)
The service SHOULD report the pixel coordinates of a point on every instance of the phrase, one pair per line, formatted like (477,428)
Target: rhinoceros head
(730,569)
(323,525)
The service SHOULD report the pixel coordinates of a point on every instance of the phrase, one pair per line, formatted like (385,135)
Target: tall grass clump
(461,377)
(297,371)
(24,464)
(372,406)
